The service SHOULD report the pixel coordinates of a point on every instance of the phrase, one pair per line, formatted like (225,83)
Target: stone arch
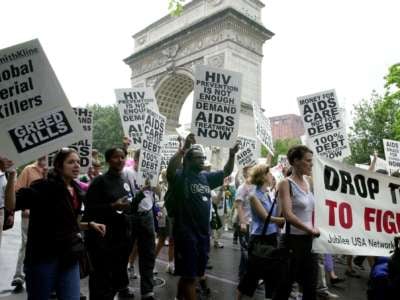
(226,34)
(171,92)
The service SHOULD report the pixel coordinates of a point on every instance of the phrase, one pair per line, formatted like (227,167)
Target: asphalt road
(222,278)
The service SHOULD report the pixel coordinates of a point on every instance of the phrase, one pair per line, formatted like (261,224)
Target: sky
(347,45)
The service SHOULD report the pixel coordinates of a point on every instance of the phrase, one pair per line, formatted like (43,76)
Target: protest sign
(150,153)
(324,124)
(246,142)
(263,128)
(170,146)
(392,153)
(246,157)
(35,115)
(380,163)
(356,211)
(84,146)
(132,105)
(361,166)
(216,106)
(283,160)
(247,152)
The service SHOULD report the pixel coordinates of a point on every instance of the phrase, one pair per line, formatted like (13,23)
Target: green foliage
(175,7)
(107,127)
(281,147)
(375,119)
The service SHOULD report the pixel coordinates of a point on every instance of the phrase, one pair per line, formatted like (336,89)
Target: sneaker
(218,245)
(131,273)
(17,281)
(166,243)
(327,294)
(126,293)
(170,268)
(18,289)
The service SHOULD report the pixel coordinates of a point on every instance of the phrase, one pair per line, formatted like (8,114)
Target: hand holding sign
(234,149)
(189,141)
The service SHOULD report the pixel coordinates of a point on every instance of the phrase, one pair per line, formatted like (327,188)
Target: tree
(175,7)
(281,147)
(107,127)
(375,119)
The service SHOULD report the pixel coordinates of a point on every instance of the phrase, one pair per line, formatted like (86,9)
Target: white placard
(170,146)
(247,142)
(324,124)
(283,160)
(356,211)
(84,145)
(246,157)
(216,106)
(150,153)
(263,128)
(392,154)
(35,115)
(132,105)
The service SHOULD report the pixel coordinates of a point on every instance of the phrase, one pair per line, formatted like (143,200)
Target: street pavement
(222,278)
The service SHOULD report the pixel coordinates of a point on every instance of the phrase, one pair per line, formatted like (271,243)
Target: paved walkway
(222,278)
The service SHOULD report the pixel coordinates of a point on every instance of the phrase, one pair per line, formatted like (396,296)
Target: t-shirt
(194,215)
(242,195)
(258,224)
(3,183)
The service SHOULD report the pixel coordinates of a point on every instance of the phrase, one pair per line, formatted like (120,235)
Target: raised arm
(228,168)
(176,161)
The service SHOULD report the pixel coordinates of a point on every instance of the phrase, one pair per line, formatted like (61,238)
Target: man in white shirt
(143,231)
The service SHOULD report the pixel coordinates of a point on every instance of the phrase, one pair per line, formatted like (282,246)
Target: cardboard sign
(170,146)
(380,163)
(356,211)
(246,142)
(246,157)
(83,146)
(132,105)
(392,153)
(263,128)
(324,124)
(283,160)
(150,153)
(35,115)
(216,106)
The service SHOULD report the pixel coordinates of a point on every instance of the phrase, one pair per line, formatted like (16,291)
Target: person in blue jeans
(191,228)
(54,205)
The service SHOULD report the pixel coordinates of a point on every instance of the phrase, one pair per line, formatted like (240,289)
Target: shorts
(191,254)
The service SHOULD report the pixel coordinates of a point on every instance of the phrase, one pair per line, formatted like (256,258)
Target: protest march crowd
(291,221)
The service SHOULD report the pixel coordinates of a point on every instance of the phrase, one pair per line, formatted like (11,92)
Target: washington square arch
(225,34)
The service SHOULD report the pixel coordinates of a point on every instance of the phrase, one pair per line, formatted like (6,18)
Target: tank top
(302,206)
